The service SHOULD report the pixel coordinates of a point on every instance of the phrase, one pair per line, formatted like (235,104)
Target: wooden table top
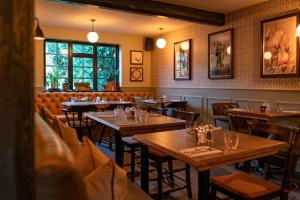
(250,147)
(262,114)
(158,101)
(156,122)
(89,103)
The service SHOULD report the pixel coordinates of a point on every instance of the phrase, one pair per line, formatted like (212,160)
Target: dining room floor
(182,194)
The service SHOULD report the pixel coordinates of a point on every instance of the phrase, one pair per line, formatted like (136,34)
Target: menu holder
(199,151)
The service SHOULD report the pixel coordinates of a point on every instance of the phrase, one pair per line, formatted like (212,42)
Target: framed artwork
(182,60)
(279,47)
(220,55)
(136,57)
(136,74)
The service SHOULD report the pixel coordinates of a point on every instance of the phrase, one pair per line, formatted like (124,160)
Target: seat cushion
(245,185)
(106,178)
(69,136)
(129,141)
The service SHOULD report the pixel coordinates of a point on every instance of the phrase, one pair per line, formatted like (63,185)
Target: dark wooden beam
(150,7)
(16,101)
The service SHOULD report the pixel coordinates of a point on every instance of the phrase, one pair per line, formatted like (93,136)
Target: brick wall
(246,23)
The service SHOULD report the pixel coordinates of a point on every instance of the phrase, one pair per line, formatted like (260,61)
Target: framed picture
(182,60)
(136,57)
(136,74)
(279,47)
(220,55)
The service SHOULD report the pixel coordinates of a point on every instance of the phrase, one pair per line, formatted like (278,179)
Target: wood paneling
(16,102)
(150,7)
(195,103)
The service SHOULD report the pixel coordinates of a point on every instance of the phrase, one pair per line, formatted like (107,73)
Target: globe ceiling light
(39,35)
(92,36)
(298,31)
(161,42)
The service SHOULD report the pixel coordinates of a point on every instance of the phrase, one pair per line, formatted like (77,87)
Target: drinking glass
(121,99)
(144,117)
(189,127)
(137,115)
(104,99)
(231,140)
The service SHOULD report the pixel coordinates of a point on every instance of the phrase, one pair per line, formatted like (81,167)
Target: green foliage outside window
(83,57)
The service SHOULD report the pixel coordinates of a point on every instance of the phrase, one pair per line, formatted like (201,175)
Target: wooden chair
(160,158)
(77,121)
(240,185)
(158,110)
(218,112)
(185,115)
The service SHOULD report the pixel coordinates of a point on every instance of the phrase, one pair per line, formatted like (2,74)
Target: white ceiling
(73,16)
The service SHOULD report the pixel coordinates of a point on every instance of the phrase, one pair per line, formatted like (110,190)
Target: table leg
(203,184)
(162,105)
(144,168)
(119,148)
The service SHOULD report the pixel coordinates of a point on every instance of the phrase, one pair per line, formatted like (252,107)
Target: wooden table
(163,103)
(171,142)
(155,123)
(286,118)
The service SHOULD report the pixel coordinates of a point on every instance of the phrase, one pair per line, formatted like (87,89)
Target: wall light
(161,42)
(39,35)
(267,55)
(92,36)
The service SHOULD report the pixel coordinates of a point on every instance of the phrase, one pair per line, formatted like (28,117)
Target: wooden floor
(294,195)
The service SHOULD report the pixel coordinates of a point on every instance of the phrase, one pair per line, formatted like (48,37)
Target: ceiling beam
(157,8)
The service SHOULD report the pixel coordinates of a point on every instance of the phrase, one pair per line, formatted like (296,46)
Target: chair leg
(132,164)
(171,176)
(213,192)
(188,180)
(101,135)
(159,179)
(284,196)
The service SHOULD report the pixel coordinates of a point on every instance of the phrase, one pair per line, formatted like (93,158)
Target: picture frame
(136,74)
(279,54)
(136,57)
(220,54)
(182,60)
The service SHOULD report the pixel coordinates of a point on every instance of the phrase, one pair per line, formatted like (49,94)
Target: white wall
(126,42)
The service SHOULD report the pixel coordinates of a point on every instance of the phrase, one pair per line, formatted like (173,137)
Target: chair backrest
(155,110)
(82,86)
(74,115)
(188,116)
(218,108)
(277,132)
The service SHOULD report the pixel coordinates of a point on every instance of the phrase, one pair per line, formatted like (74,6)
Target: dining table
(182,146)
(163,103)
(283,117)
(121,128)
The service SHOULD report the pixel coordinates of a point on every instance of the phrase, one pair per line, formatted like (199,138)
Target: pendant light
(38,35)
(161,42)
(92,36)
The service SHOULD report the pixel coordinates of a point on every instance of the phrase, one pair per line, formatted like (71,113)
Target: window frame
(83,55)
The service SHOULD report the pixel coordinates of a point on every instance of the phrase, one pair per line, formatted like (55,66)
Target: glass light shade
(185,46)
(228,50)
(298,31)
(161,43)
(92,37)
(267,55)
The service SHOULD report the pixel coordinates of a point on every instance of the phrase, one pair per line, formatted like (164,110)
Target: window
(67,61)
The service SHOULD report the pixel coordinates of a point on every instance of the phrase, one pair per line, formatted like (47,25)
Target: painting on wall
(279,47)
(136,74)
(136,57)
(220,55)
(182,60)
